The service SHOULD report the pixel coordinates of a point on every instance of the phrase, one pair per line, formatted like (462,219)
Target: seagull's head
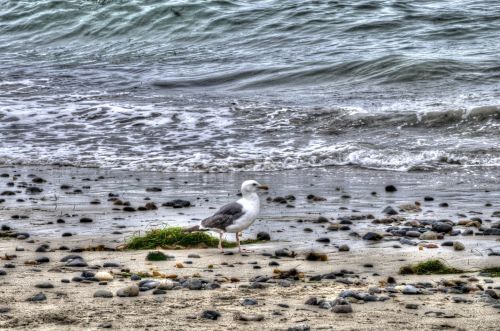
(251,186)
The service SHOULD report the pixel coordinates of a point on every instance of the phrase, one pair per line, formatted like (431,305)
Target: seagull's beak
(263,187)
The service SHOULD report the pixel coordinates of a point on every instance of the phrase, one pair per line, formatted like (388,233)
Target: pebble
(248,317)
(37,297)
(129,291)
(410,289)
(86,220)
(104,276)
(492,294)
(389,211)
(194,256)
(42,259)
(103,294)
(301,327)
(3,272)
(210,314)
(372,236)
(390,188)
(429,235)
(344,248)
(411,306)
(44,285)
(111,265)
(263,236)
(458,246)
(249,302)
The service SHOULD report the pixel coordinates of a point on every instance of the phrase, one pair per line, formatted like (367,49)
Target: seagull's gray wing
(224,217)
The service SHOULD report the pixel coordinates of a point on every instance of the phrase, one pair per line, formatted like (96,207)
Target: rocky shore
(335,260)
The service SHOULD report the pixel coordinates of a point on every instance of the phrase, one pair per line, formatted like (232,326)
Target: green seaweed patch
(156,256)
(429,267)
(174,237)
(491,272)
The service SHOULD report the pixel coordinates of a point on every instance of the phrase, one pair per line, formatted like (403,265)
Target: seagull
(236,216)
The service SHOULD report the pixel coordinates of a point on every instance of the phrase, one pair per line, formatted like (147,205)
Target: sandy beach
(206,290)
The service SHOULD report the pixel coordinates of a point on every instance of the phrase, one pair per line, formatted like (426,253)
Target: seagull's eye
(254,184)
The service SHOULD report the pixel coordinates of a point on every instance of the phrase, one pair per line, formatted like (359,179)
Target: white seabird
(236,216)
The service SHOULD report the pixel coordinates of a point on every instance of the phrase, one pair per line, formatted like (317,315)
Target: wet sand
(282,303)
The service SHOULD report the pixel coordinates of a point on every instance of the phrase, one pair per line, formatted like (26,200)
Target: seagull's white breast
(251,208)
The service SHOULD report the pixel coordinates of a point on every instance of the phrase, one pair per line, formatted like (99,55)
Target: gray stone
(103,294)
(37,297)
(458,246)
(44,285)
(129,291)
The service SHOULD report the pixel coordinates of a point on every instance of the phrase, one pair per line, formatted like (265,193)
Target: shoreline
(281,303)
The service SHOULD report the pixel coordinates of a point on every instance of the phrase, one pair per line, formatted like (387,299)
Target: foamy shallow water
(466,194)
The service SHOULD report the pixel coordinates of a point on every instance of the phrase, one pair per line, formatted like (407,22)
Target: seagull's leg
(220,242)
(238,242)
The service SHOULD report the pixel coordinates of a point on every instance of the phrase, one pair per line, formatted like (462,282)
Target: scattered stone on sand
(344,248)
(300,327)
(372,236)
(248,317)
(86,220)
(37,297)
(44,285)
(177,203)
(389,211)
(103,294)
(390,188)
(428,235)
(129,291)
(103,276)
(458,246)
(263,236)
(411,306)
(210,314)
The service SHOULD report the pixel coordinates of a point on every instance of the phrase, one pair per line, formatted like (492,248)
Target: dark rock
(443,204)
(390,188)
(442,227)
(37,297)
(249,302)
(67,234)
(159,292)
(323,240)
(389,211)
(372,236)
(344,248)
(177,203)
(263,236)
(428,198)
(103,294)
(33,190)
(492,294)
(3,272)
(321,219)
(312,301)
(111,265)
(42,259)
(210,314)
(153,189)
(44,285)
(411,306)
(301,327)
(86,220)
(284,253)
